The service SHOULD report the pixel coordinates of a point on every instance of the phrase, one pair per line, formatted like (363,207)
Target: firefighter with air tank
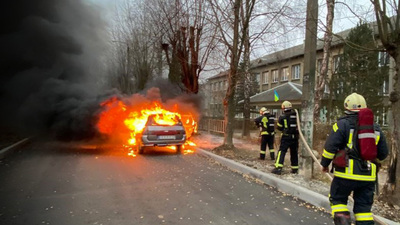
(355,146)
(287,124)
(266,124)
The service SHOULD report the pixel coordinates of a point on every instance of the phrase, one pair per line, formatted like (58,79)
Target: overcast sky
(343,20)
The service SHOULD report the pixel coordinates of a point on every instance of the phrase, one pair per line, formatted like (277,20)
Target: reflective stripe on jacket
(342,136)
(287,123)
(267,124)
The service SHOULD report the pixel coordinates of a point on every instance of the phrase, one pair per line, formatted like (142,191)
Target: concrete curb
(302,193)
(11,148)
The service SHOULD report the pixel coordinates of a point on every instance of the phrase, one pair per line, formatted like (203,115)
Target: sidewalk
(245,161)
(304,194)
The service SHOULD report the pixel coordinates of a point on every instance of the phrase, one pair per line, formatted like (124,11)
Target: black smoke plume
(50,67)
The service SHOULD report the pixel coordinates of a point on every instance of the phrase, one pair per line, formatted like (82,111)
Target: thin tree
(267,20)
(389,30)
(246,76)
(319,90)
(136,58)
(232,31)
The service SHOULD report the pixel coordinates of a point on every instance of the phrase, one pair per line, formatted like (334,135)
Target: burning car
(190,124)
(161,130)
(139,123)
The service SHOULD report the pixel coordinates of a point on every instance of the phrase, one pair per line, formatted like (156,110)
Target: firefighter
(266,124)
(287,124)
(355,175)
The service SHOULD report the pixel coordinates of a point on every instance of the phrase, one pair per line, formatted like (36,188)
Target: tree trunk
(246,85)
(391,188)
(387,28)
(229,100)
(325,59)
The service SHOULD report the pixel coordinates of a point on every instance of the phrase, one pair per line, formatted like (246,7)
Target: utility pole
(307,112)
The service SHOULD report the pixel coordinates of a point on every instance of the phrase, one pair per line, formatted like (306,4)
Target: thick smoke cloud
(50,67)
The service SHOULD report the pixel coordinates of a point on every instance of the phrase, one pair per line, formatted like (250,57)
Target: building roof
(221,74)
(288,91)
(297,51)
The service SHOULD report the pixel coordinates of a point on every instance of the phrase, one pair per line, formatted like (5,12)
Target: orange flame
(123,122)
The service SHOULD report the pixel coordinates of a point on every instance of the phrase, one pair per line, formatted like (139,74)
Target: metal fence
(212,125)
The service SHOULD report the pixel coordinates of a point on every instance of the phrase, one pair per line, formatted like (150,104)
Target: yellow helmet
(286,105)
(264,110)
(355,102)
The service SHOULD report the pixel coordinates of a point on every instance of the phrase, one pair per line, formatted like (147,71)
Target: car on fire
(190,125)
(160,135)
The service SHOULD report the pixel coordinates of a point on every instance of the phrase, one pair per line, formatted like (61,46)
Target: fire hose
(379,221)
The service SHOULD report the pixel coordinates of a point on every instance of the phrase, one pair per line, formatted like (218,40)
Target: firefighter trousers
(363,195)
(293,145)
(267,140)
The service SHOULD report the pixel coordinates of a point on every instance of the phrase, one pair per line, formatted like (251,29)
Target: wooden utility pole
(307,109)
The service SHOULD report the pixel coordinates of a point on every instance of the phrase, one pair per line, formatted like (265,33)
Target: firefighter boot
(262,156)
(295,171)
(342,218)
(272,154)
(277,171)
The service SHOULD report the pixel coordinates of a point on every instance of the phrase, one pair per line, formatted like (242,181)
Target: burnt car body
(158,135)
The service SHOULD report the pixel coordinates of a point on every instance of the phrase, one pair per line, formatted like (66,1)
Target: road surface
(77,183)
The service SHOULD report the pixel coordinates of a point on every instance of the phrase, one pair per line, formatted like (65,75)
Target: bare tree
(186,39)
(246,81)
(232,33)
(136,57)
(267,20)
(325,59)
(389,29)
(238,39)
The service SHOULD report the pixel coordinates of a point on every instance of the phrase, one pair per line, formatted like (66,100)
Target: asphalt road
(53,183)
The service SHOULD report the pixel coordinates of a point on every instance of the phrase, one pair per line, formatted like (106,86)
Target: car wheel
(139,148)
(179,149)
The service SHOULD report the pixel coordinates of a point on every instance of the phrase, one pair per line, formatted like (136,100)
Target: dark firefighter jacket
(267,124)
(340,138)
(287,123)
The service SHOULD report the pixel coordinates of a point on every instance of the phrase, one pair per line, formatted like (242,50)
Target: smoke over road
(51,69)
(50,66)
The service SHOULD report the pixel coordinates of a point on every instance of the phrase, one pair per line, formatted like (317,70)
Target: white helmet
(286,105)
(264,110)
(355,102)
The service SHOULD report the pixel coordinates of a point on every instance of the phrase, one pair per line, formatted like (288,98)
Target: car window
(152,120)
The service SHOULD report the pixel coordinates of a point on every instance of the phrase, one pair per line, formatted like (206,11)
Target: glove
(325,169)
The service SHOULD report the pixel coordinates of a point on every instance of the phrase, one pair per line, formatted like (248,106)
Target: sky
(343,19)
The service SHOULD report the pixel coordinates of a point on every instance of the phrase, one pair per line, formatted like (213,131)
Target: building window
(384,118)
(285,74)
(296,72)
(385,87)
(326,89)
(336,63)
(257,77)
(265,77)
(339,89)
(383,59)
(274,76)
